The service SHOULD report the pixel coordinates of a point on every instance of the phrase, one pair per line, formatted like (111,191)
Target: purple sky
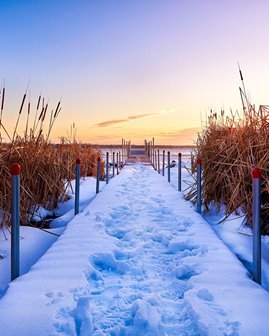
(133,68)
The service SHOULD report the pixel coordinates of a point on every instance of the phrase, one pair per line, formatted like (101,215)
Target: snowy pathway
(139,276)
(138,261)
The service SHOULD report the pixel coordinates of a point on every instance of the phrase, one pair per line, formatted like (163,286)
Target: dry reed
(229,148)
(46,168)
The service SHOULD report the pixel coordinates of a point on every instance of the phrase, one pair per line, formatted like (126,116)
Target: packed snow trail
(137,261)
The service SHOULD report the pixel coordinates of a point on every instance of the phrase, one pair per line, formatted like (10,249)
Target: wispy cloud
(186,132)
(118,121)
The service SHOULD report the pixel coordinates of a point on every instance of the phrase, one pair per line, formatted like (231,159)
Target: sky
(132,69)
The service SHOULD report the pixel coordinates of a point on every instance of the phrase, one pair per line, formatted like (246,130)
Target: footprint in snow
(185,272)
(205,295)
(232,328)
(55,297)
(157,199)
(108,262)
(208,298)
(120,255)
(178,245)
(116,233)
(82,317)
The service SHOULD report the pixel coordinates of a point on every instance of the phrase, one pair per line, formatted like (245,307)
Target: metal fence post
(120,166)
(122,149)
(179,171)
(168,162)
(98,175)
(155,160)
(77,186)
(15,221)
(158,161)
(199,185)
(117,163)
(256,220)
(113,164)
(163,161)
(107,167)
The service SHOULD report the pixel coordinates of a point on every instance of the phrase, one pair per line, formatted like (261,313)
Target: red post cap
(78,161)
(179,154)
(98,159)
(256,173)
(15,169)
(199,161)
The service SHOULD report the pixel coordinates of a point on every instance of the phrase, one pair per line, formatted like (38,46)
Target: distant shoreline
(142,146)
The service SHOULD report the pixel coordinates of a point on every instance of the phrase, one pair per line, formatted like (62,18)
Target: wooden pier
(138,155)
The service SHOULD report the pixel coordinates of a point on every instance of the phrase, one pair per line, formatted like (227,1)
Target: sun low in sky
(133,69)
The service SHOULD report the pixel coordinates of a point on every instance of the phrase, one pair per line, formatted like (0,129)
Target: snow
(232,230)
(35,242)
(137,261)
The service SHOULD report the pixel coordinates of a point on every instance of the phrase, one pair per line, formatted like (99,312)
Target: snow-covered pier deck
(137,261)
(138,155)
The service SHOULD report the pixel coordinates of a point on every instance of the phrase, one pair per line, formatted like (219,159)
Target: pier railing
(154,155)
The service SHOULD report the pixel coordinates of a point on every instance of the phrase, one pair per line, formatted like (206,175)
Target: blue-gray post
(123,154)
(120,166)
(163,161)
(256,220)
(98,175)
(77,186)
(113,164)
(179,171)
(107,167)
(117,163)
(199,185)
(168,163)
(155,160)
(158,161)
(122,149)
(15,221)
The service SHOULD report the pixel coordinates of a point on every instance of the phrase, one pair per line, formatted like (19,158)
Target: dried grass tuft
(229,148)
(46,169)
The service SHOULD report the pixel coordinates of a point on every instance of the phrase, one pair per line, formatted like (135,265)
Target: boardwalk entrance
(138,155)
